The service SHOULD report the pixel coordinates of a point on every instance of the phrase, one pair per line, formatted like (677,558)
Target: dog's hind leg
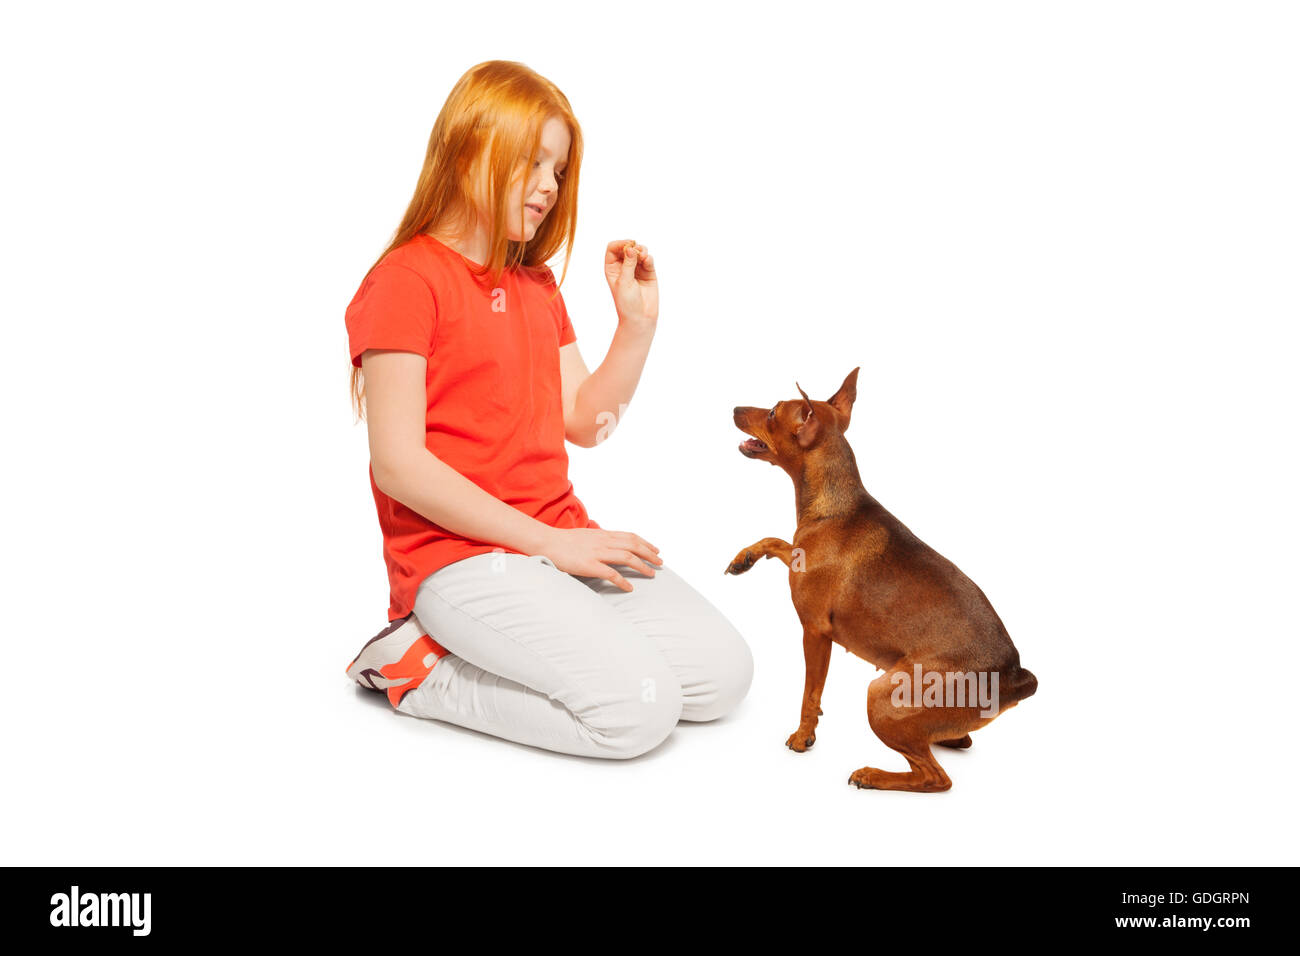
(909,730)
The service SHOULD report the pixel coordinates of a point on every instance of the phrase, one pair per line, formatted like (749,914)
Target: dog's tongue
(753,444)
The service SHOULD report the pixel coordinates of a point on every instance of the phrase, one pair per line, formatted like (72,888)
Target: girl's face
(536,185)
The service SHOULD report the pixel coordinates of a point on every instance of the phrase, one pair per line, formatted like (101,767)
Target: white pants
(573,664)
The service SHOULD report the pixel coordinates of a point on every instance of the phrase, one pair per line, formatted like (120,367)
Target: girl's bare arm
(408,472)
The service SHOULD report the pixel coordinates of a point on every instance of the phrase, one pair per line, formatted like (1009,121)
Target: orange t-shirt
(494,411)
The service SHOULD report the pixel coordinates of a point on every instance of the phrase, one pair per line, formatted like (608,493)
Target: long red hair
(496,108)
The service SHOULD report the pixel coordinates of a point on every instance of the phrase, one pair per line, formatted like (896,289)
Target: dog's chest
(838,542)
(812,591)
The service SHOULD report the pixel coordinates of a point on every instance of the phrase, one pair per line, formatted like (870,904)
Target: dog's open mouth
(751,445)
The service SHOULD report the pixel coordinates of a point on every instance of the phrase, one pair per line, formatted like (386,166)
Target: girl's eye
(558,174)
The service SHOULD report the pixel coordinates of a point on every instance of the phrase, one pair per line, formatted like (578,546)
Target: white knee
(732,667)
(634,727)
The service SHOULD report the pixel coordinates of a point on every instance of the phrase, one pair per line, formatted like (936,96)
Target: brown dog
(861,579)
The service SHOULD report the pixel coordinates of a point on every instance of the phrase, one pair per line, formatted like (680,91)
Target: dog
(859,578)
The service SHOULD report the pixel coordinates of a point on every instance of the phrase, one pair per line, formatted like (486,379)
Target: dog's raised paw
(741,563)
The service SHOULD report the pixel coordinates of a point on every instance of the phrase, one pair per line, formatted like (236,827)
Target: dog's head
(789,430)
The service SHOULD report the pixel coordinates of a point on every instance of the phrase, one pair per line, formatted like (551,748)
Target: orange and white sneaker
(397,659)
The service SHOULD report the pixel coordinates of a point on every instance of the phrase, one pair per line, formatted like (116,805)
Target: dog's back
(913,603)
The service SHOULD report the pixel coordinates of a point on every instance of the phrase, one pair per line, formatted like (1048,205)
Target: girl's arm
(602,396)
(408,472)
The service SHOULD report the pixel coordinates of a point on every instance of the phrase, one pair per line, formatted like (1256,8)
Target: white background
(1059,239)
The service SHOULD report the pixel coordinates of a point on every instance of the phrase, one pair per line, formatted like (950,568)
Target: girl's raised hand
(630,272)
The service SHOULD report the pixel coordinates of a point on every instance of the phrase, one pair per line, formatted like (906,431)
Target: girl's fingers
(634,541)
(638,560)
(645,563)
(609,574)
(619,248)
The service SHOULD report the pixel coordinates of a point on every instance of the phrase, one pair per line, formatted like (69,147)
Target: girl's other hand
(630,272)
(592,552)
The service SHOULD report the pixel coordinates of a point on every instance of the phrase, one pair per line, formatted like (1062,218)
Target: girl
(511,611)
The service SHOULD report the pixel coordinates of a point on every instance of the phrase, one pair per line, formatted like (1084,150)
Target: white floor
(189,766)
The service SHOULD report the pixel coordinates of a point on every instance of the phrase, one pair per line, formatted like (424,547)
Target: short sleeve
(393,309)
(567,334)
(562,324)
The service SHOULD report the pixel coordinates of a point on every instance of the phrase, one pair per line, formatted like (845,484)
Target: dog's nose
(736,410)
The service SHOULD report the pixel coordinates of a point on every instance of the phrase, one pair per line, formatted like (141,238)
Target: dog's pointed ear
(843,399)
(810,425)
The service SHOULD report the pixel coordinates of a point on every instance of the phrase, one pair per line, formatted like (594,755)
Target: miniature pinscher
(859,578)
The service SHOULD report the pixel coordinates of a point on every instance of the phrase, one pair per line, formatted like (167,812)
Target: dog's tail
(1023,684)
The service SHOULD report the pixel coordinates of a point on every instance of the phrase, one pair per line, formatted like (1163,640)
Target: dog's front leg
(767,548)
(817,662)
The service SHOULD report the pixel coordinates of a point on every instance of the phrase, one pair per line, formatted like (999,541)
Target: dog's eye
(772,414)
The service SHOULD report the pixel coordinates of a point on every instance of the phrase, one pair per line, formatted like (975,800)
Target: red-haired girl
(511,611)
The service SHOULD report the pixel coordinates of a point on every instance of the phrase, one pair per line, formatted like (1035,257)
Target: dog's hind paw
(924,780)
(861,779)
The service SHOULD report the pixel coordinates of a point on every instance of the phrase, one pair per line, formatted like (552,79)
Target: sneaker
(397,659)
